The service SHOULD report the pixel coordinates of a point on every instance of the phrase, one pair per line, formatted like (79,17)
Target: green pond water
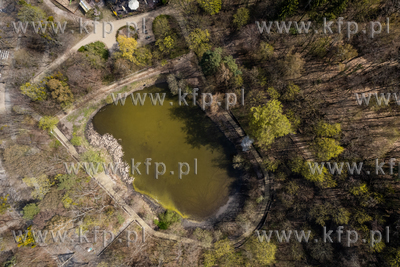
(173,134)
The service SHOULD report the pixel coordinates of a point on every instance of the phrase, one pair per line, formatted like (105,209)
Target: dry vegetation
(308,81)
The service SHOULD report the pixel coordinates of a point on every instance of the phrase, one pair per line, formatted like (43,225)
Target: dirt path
(108,184)
(5,105)
(2,171)
(102,179)
(110,39)
(105,181)
(263,174)
(2,98)
(134,77)
(104,91)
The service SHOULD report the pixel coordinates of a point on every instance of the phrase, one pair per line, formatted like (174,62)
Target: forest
(303,106)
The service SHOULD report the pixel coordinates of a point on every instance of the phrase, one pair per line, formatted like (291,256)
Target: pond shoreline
(109,143)
(227,212)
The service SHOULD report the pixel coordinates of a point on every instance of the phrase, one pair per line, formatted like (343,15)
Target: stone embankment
(112,146)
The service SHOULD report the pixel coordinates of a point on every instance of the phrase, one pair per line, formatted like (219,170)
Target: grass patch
(97,48)
(72,118)
(120,218)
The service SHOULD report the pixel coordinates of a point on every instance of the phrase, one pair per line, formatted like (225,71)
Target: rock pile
(112,146)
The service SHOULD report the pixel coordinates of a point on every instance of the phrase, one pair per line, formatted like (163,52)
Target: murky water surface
(171,134)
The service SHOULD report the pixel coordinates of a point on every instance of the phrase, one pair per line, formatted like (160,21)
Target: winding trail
(110,39)
(262,173)
(2,171)
(2,98)
(106,90)
(103,180)
(107,184)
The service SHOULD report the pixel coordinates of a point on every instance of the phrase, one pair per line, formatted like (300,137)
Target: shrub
(291,92)
(92,157)
(320,47)
(288,8)
(239,162)
(48,123)
(273,93)
(30,211)
(166,219)
(327,148)
(40,184)
(19,110)
(325,129)
(65,181)
(11,262)
(172,84)
(97,48)
(203,236)
(345,52)
(266,50)
(232,66)
(3,204)
(28,13)
(26,239)
(210,6)
(34,92)
(293,65)
(60,91)
(76,141)
(241,17)
(120,218)
(67,201)
(210,61)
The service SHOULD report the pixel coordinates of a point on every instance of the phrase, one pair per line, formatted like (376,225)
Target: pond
(173,134)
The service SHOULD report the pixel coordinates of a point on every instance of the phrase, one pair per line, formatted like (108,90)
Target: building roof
(133,4)
(85,5)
